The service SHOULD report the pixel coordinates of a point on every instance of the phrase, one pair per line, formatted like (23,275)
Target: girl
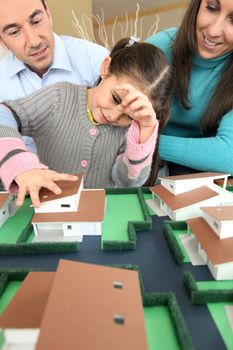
(107,132)
(199,134)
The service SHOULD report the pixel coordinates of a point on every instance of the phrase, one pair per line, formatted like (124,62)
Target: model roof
(195,176)
(3,197)
(176,202)
(91,209)
(221,213)
(78,304)
(26,308)
(69,188)
(218,250)
(83,304)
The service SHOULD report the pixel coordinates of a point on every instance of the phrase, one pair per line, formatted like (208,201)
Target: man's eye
(36,21)
(13,33)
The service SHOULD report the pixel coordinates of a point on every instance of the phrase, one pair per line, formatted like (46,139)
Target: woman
(199,134)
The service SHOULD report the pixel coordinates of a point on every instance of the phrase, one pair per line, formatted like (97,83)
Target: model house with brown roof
(220,219)
(72,226)
(184,183)
(54,310)
(214,235)
(67,201)
(7,206)
(70,215)
(181,197)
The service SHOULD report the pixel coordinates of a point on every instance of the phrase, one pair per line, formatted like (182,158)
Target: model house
(184,183)
(58,313)
(70,215)
(214,235)
(71,226)
(220,219)
(7,206)
(181,197)
(67,201)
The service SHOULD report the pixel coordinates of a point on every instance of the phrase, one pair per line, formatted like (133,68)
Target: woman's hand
(31,181)
(138,106)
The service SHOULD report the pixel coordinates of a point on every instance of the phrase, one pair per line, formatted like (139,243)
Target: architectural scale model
(181,197)
(7,206)
(214,235)
(58,313)
(70,215)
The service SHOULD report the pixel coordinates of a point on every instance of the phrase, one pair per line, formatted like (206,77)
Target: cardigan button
(93,132)
(84,163)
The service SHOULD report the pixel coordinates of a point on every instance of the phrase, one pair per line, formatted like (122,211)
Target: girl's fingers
(139,105)
(54,176)
(35,190)
(133,96)
(21,196)
(34,194)
(126,87)
(52,187)
(31,181)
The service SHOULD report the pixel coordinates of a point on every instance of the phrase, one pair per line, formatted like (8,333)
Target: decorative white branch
(132,27)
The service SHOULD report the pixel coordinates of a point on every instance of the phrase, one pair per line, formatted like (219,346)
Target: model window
(118,284)
(215,224)
(119,319)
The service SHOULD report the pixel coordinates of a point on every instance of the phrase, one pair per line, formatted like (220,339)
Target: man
(38,57)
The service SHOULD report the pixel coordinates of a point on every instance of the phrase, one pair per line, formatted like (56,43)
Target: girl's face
(214,28)
(104,99)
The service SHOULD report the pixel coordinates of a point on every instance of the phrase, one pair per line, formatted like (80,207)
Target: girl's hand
(138,106)
(31,181)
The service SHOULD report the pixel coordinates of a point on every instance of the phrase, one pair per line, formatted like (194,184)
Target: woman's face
(214,28)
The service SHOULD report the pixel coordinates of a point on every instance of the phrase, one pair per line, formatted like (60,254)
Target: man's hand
(31,181)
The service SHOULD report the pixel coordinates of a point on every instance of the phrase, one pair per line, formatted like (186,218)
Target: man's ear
(3,44)
(105,66)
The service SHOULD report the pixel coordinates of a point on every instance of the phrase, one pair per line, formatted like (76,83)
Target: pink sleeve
(14,159)
(138,155)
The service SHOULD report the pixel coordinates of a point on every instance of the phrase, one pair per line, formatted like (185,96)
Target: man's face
(26,30)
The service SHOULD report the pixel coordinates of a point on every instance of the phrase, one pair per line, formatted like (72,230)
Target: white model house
(184,183)
(83,213)
(181,197)
(220,219)
(5,199)
(67,201)
(216,252)
(7,206)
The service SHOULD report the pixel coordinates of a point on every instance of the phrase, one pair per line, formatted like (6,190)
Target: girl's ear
(105,66)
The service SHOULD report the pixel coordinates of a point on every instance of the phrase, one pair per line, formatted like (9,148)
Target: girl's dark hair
(184,47)
(149,66)
(44,4)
